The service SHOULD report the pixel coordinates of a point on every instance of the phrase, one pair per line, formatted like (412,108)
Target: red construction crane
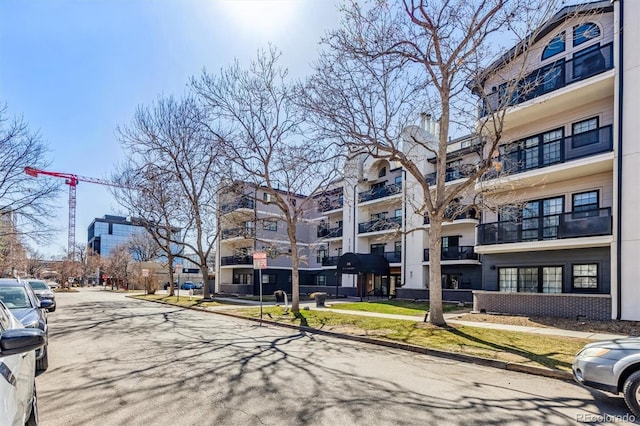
(71,180)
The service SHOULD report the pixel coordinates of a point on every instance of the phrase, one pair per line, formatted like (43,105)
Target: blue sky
(77,69)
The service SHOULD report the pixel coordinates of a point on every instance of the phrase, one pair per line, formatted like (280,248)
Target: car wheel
(33,417)
(52,309)
(631,391)
(43,363)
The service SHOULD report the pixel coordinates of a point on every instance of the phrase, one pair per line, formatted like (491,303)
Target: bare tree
(143,247)
(116,264)
(254,114)
(28,199)
(174,164)
(393,60)
(35,263)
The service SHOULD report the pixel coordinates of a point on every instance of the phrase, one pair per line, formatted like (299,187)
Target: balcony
(589,223)
(452,174)
(330,204)
(584,64)
(393,256)
(241,203)
(380,192)
(454,253)
(237,232)
(324,232)
(470,214)
(330,260)
(236,260)
(380,225)
(516,158)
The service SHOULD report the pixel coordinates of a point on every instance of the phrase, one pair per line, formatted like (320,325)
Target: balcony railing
(330,260)
(324,232)
(237,232)
(469,214)
(452,174)
(380,225)
(454,253)
(393,256)
(241,203)
(584,64)
(236,260)
(588,223)
(330,204)
(518,159)
(380,192)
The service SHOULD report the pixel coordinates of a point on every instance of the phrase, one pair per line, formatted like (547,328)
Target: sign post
(178,271)
(260,263)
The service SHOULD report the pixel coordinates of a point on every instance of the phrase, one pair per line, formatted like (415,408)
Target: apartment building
(250,222)
(561,239)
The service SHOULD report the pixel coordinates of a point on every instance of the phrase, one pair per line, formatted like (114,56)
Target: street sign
(145,273)
(260,260)
(178,268)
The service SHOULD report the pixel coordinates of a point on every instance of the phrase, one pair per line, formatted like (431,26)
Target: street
(118,361)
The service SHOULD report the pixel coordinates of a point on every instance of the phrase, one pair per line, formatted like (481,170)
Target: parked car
(166,285)
(53,285)
(187,285)
(612,366)
(199,285)
(18,402)
(43,291)
(18,296)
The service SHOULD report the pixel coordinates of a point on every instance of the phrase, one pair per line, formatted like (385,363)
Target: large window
(534,152)
(322,253)
(584,132)
(555,46)
(530,279)
(588,62)
(585,277)
(270,225)
(541,219)
(585,202)
(585,32)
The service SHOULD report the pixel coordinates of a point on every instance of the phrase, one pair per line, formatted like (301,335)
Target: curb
(503,365)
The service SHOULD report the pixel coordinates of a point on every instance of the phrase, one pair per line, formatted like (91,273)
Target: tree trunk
(436,314)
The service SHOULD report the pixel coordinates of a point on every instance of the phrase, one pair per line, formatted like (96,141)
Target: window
(266,197)
(382,172)
(585,202)
(585,32)
(585,277)
(377,248)
(268,278)
(270,225)
(398,181)
(397,246)
(555,46)
(397,213)
(585,132)
(321,280)
(322,253)
(379,216)
(588,62)
(530,279)
(340,251)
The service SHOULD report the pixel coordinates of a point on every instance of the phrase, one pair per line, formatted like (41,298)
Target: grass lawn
(523,348)
(393,306)
(183,300)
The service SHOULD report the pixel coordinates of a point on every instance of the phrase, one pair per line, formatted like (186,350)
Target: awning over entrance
(362,263)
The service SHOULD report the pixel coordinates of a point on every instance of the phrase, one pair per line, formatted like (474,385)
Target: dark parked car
(43,291)
(18,296)
(18,402)
(612,366)
(166,285)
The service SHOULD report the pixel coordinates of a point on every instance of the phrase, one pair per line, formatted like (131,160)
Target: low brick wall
(565,305)
(465,296)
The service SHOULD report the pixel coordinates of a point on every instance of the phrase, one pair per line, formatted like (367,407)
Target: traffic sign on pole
(260,260)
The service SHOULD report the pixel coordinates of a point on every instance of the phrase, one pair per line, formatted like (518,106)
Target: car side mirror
(46,304)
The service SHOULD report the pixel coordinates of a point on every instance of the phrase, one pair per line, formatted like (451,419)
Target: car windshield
(14,297)
(38,285)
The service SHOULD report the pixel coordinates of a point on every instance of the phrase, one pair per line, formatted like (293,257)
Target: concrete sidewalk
(450,318)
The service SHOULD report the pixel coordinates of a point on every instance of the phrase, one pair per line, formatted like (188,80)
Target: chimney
(429,125)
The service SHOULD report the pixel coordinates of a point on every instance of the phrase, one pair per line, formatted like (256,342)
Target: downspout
(620,110)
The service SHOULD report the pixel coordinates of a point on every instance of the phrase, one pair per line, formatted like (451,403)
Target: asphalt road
(118,361)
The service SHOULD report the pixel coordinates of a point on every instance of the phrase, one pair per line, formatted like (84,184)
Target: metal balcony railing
(330,260)
(330,204)
(518,159)
(583,64)
(588,223)
(380,192)
(393,256)
(241,203)
(380,225)
(237,232)
(452,174)
(324,232)
(454,253)
(236,260)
